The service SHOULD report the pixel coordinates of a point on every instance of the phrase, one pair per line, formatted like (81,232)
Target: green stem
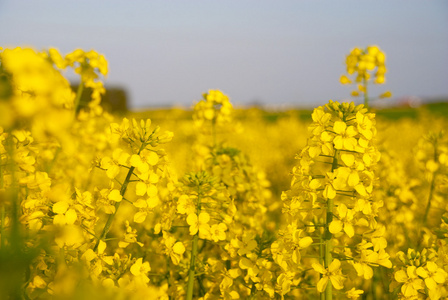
(78,97)
(321,261)
(328,247)
(124,186)
(117,205)
(2,233)
(366,94)
(194,254)
(214,132)
(428,206)
(431,189)
(1,174)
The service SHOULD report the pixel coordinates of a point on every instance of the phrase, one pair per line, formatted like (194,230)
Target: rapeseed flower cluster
(365,65)
(330,211)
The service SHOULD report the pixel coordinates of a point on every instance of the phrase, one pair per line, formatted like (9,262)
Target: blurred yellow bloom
(345,80)
(386,94)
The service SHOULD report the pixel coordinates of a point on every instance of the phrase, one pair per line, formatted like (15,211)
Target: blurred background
(276,54)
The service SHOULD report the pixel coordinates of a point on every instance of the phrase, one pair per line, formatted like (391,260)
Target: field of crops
(342,202)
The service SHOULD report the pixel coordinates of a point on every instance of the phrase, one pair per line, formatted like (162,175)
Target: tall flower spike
(365,65)
(331,198)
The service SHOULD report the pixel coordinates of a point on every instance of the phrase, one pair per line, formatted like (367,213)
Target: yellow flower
(332,273)
(364,125)
(143,161)
(65,213)
(432,275)
(345,221)
(112,165)
(345,136)
(173,249)
(140,270)
(115,195)
(218,232)
(411,282)
(320,121)
(185,205)
(199,224)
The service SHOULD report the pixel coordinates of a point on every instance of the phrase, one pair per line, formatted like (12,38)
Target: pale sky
(272,52)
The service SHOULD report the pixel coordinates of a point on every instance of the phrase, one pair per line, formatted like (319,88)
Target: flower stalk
(78,97)
(431,189)
(194,254)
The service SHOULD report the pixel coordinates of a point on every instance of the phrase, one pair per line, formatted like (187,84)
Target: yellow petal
(192,219)
(322,284)
(353,178)
(401,276)
(422,272)
(71,216)
(108,260)
(314,184)
(329,192)
(348,159)
(39,282)
(113,171)
(439,277)
(314,151)
(101,247)
(89,255)
(115,195)
(349,230)
(368,272)
(305,242)
(339,127)
(135,160)
(204,218)
(140,203)
(245,263)
(335,265)
(135,269)
(336,280)
(59,219)
(106,162)
(108,283)
(140,188)
(153,178)
(152,158)
(318,268)
(60,207)
(152,190)
(431,283)
(140,217)
(344,80)
(179,248)
(152,202)
(335,226)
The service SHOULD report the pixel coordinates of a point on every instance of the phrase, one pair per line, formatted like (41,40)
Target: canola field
(216,202)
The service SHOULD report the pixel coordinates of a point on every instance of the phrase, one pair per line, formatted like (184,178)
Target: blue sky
(271,52)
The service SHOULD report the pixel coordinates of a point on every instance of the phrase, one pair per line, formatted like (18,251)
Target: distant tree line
(114,100)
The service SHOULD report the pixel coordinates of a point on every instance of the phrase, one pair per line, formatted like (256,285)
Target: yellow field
(341,202)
